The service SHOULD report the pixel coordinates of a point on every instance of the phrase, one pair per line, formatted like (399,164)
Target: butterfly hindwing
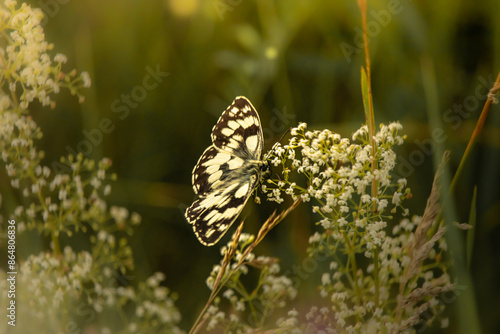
(227,172)
(211,169)
(214,214)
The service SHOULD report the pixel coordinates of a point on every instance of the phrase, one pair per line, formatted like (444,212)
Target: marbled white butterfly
(227,172)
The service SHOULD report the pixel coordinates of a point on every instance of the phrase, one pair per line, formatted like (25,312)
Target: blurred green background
(296,61)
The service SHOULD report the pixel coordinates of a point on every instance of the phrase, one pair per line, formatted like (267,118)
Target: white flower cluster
(61,290)
(17,134)
(341,179)
(270,292)
(24,60)
(351,185)
(25,64)
(290,325)
(64,203)
(353,303)
(155,311)
(54,288)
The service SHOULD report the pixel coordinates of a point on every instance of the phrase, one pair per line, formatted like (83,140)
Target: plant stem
(271,222)
(370,122)
(354,266)
(474,136)
(375,275)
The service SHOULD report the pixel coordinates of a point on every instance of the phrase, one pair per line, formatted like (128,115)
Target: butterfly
(227,172)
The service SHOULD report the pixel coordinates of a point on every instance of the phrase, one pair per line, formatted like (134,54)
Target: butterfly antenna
(277,143)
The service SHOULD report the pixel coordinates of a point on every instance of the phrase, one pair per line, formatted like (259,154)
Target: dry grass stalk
(419,294)
(419,250)
(420,254)
(270,223)
(227,258)
(431,209)
(221,278)
(434,288)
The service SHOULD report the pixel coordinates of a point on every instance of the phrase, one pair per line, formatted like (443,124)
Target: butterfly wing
(226,172)
(212,215)
(238,130)
(211,170)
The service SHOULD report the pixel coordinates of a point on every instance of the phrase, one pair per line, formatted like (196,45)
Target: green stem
(354,266)
(57,247)
(375,274)
(474,136)
(466,309)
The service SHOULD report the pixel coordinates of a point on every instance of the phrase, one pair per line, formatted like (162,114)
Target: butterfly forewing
(239,131)
(227,172)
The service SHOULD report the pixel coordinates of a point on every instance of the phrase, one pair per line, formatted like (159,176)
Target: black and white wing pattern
(227,172)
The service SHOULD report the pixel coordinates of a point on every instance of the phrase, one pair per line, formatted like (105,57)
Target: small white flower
(325,279)
(396,198)
(139,311)
(382,204)
(316,237)
(14,183)
(107,190)
(240,306)
(95,182)
(118,213)
(135,218)
(86,79)
(60,58)
(228,293)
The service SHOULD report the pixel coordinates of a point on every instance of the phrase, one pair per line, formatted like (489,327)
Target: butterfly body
(227,172)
